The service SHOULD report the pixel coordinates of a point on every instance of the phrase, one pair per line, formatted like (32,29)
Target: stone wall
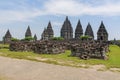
(21,46)
(48,47)
(92,49)
(44,47)
(82,49)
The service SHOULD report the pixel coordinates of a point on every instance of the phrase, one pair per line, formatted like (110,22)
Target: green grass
(4,46)
(65,59)
(114,56)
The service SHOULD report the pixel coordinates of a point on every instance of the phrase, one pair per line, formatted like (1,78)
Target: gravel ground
(15,69)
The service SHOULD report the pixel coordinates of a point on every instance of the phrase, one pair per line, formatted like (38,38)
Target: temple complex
(79,45)
(66,32)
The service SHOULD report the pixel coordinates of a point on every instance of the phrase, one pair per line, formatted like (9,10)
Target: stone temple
(83,45)
(47,33)
(7,37)
(78,30)
(67,30)
(28,32)
(89,31)
(102,33)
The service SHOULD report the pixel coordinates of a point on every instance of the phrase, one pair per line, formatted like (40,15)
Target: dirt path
(15,69)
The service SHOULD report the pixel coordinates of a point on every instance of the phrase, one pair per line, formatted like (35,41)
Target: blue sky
(16,15)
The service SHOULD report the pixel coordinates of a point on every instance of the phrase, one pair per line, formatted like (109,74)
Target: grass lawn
(4,45)
(65,59)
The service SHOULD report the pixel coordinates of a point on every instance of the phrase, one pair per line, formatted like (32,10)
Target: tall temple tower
(48,32)
(28,32)
(78,30)
(89,31)
(7,37)
(67,30)
(102,33)
(44,35)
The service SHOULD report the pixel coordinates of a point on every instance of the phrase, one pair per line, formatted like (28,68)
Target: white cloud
(56,24)
(25,12)
(75,8)
(11,11)
(11,15)
(105,10)
(64,7)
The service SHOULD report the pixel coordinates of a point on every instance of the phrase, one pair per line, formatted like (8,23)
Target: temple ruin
(85,48)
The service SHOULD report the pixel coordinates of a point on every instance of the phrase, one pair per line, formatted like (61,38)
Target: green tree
(86,37)
(14,39)
(28,39)
(57,38)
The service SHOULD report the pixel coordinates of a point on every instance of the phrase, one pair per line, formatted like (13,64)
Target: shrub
(84,37)
(57,38)
(28,39)
(14,39)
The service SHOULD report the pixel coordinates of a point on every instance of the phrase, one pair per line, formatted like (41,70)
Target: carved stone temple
(89,31)
(102,33)
(47,33)
(78,30)
(67,30)
(28,32)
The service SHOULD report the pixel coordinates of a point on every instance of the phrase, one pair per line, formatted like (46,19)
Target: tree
(57,38)
(28,39)
(14,39)
(86,37)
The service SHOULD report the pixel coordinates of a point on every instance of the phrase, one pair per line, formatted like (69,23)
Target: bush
(84,37)
(14,39)
(57,38)
(28,39)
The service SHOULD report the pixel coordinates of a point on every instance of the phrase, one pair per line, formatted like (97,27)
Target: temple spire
(89,31)
(50,31)
(44,35)
(102,33)
(67,30)
(7,37)
(67,18)
(35,37)
(8,34)
(28,32)
(49,25)
(78,30)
